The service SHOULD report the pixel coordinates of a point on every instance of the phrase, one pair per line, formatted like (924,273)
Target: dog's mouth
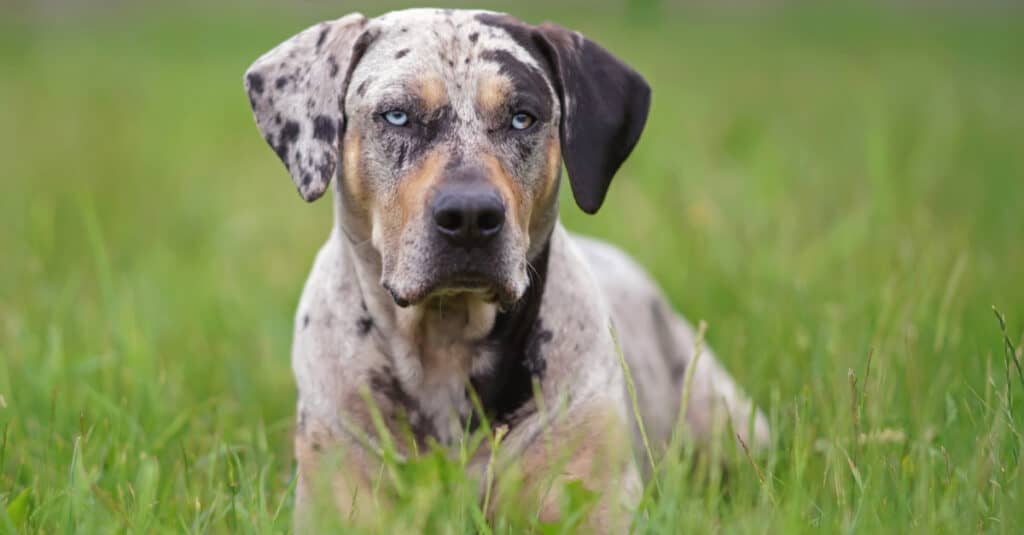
(484,287)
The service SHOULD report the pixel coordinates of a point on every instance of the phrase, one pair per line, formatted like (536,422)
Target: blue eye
(396,117)
(522,120)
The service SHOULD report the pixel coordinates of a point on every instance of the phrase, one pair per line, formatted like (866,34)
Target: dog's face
(451,128)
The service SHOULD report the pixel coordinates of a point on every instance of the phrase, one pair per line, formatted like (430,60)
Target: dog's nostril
(468,218)
(449,220)
(490,221)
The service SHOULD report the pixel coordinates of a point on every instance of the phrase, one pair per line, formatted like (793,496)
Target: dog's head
(450,128)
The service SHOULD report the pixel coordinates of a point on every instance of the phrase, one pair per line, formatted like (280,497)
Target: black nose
(468,217)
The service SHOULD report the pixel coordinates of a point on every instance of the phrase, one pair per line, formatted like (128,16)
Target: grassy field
(818,186)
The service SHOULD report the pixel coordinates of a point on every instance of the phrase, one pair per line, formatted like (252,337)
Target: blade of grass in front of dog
(499,434)
(631,388)
(680,428)
(1008,350)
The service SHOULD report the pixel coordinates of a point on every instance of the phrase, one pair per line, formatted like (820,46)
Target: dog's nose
(469,217)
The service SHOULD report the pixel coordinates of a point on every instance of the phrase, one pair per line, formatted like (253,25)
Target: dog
(448,297)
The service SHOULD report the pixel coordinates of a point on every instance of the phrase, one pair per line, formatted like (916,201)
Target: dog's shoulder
(332,346)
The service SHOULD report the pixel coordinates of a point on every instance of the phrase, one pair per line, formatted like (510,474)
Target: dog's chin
(481,287)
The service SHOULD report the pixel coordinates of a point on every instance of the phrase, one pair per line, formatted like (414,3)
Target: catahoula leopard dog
(448,294)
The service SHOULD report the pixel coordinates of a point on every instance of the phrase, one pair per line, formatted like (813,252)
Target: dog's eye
(396,117)
(522,120)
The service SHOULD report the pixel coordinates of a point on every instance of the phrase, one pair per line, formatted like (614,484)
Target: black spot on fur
(518,337)
(307,179)
(255,83)
(316,446)
(305,321)
(289,133)
(333,63)
(363,325)
(407,409)
(674,362)
(277,118)
(324,129)
(534,360)
(474,36)
(361,90)
(401,53)
(281,82)
(325,170)
(323,37)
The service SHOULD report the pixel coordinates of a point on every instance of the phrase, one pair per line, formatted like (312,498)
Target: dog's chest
(436,373)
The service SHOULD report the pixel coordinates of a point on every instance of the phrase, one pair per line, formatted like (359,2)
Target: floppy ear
(604,108)
(297,92)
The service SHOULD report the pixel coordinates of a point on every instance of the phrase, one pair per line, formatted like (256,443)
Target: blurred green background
(817,183)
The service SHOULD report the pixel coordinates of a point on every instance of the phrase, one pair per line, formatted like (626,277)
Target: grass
(824,188)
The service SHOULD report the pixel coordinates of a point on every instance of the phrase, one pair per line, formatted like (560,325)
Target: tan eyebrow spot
(491,93)
(432,92)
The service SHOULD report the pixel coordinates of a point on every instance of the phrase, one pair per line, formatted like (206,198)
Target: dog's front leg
(585,447)
(335,481)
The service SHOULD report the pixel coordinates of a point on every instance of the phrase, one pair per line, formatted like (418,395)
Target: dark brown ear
(297,92)
(604,109)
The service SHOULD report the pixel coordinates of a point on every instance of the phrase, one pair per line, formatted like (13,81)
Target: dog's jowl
(448,298)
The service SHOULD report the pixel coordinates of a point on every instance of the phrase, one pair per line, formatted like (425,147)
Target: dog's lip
(455,284)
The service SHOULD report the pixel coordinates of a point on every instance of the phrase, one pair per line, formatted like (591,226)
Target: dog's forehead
(445,43)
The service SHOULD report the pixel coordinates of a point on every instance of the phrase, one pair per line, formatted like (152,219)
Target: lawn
(839,194)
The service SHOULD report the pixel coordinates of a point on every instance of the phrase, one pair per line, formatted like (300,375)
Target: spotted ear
(604,109)
(297,92)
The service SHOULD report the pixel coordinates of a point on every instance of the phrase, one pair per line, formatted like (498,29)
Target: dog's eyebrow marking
(432,92)
(491,92)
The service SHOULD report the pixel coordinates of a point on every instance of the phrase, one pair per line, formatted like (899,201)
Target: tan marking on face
(554,161)
(353,183)
(432,92)
(511,192)
(491,93)
(414,187)
(545,193)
